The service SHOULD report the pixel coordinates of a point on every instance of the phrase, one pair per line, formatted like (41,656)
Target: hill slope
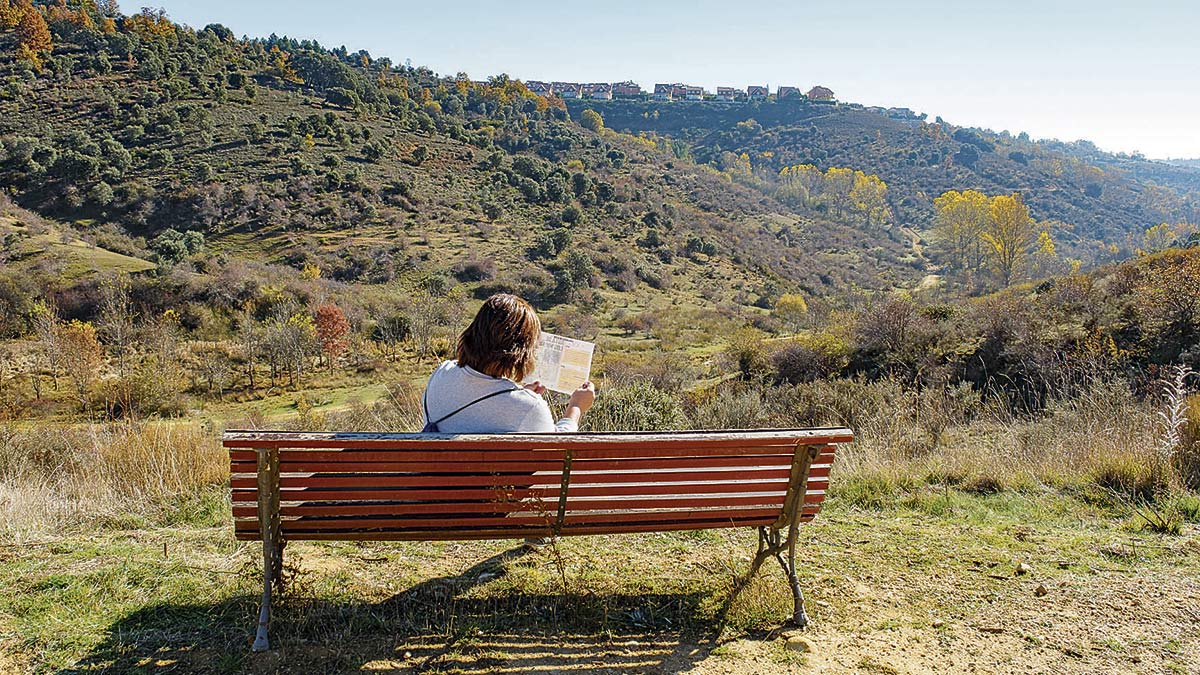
(287,152)
(1102,198)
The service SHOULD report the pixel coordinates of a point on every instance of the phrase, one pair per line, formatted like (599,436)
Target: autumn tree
(332,331)
(838,184)
(10,15)
(1169,294)
(279,64)
(791,309)
(1009,235)
(868,195)
(80,355)
(289,343)
(33,36)
(960,221)
(590,119)
(801,183)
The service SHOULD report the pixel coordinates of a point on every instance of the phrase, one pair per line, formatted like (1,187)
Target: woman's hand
(536,387)
(583,397)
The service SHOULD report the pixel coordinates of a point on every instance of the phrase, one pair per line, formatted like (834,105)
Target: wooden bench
(367,486)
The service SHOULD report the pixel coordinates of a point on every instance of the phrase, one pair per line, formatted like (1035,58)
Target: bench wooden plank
(513,533)
(549,492)
(521,506)
(609,440)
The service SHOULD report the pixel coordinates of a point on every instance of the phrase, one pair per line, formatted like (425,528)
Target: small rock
(1023,569)
(994,630)
(938,623)
(408,655)
(799,644)
(1040,591)
(822,603)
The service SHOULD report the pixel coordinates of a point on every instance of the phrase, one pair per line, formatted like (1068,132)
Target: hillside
(1099,198)
(285,152)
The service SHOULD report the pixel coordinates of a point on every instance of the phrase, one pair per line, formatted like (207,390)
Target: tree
(837,186)
(33,36)
(959,223)
(279,64)
(791,309)
(116,320)
(591,120)
(869,195)
(79,354)
(332,329)
(10,15)
(1009,235)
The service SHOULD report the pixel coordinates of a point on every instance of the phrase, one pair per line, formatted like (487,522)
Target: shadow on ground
(436,626)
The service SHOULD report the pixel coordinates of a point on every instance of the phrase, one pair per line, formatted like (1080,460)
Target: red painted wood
(371,480)
(278,439)
(646,516)
(241,458)
(549,492)
(435,508)
(403,467)
(582,478)
(377,481)
(515,533)
(518,449)
(518,506)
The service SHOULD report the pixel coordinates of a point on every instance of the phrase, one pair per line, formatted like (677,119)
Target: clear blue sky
(1123,74)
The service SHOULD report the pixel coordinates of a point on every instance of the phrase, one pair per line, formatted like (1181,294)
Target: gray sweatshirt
(451,387)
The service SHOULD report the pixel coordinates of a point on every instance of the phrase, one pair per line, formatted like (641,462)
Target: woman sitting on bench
(478,391)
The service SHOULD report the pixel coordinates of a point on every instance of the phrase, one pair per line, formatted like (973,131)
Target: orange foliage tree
(332,331)
(33,36)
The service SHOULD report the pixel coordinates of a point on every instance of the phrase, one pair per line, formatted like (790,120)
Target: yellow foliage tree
(802,183)
(10,15)
(150,24)
(791,309)
(279,64)
(1009,235)
(837,186)
(80,354)
(1157,238)
(961,218)
(869,196)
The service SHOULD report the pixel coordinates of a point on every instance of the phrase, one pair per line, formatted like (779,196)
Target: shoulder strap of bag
(481,398)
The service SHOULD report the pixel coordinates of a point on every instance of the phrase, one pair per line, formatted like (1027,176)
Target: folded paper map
(563,364)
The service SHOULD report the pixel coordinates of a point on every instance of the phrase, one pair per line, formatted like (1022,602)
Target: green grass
(78,257)
(185,596)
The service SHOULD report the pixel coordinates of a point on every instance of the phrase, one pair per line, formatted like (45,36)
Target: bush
(636,407)
(811,357)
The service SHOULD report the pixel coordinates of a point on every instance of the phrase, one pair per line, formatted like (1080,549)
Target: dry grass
(52,478)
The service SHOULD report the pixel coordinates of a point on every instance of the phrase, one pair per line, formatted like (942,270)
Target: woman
(478,392)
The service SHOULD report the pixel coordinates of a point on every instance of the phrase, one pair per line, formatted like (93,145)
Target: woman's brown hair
(502,340)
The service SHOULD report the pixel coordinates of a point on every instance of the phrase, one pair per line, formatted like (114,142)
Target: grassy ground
(926,585)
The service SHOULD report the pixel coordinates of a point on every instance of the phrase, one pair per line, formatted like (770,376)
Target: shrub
(811,357)
(636,407)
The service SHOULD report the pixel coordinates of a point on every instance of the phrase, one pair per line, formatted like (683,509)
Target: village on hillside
(605,91)
(629,90)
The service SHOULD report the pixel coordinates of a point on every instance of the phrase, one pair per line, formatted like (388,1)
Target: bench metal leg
(272,540)
(799,616)
(771,543)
